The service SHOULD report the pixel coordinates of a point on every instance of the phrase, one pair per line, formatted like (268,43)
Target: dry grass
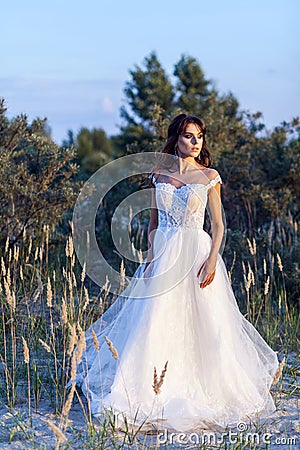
(157,384)
(45,310)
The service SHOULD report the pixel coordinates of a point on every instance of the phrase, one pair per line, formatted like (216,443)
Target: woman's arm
(215,205)
(153,222)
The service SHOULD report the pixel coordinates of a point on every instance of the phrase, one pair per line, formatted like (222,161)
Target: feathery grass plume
(112,349)
(73,339)
(140,256)
(279,262)
(40,289)
(122,274)
(247,280)
(69,247)
(3,268)
(250,247)
(41,254)
(279,302)
(10,255)
(267,285)
(279,372)
(244,272)
(251,274)
(130,220)
(71,226)
(24,235)
(67,252)
(57,431)
(155,381)
(36,253)
(122,269)
(133,249)
(54,275)
(29,250)
(158,384)
(6,245)
(74,279)
(16,253)
(73,366)
(67,406)
(81,344)
(46,346)
(64,313)
(25,350)
(229,276)
(8,278)
(95,340)
(10,296)
(254,246)
(83,273)
(86,298)
(49,293)
(106,286)
(70,285)
(265,266)
(21,274)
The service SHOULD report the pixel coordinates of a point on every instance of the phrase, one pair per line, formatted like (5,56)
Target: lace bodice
(183,206)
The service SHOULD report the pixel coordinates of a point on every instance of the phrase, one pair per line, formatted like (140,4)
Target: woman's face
(190,141)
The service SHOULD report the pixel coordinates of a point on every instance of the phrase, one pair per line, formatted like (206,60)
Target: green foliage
(191,86)
(94,150)
(258,168)
(148,87)
(150,94)
(36,177)
(260,175)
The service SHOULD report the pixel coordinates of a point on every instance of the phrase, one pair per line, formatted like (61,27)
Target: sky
(69,60)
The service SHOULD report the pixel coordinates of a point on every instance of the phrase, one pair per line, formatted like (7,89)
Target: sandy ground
(281,430)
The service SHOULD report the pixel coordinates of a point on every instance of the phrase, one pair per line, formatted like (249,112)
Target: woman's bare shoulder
(210,173)
(213,173)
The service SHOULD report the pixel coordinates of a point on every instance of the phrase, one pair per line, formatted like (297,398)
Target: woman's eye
(189,136)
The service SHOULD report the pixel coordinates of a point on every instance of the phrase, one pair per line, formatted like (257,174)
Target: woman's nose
(193,140)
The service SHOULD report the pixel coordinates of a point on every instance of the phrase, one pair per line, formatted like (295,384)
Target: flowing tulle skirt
(219,368)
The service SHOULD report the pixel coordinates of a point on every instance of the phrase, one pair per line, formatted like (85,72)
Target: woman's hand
(207,270)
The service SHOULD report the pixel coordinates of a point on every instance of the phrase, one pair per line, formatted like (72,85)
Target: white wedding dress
(219,369)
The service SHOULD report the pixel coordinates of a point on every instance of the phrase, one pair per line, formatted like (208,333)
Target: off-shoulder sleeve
(214,181)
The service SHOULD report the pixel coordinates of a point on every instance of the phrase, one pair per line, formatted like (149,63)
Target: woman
(181,355)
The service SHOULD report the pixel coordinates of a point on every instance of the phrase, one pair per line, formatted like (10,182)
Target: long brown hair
(178,127)
(175,129)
